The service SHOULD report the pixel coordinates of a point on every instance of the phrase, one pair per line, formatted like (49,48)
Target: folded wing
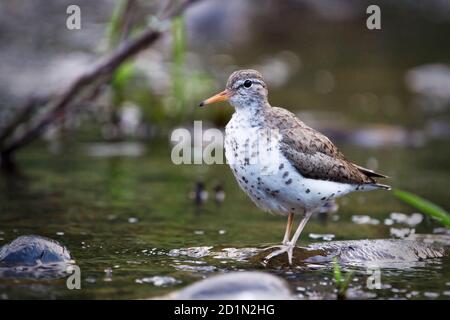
(313,154)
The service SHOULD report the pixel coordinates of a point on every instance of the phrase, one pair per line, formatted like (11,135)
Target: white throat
(249,110)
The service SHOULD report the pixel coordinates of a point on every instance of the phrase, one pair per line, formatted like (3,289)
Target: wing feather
(313,154)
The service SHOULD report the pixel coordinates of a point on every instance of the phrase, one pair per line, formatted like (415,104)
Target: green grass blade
(341,283)
(337,272)
(179,54)
(346,282)
(113,28)
(424,206)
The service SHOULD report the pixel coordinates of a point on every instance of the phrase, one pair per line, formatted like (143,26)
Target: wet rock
(32,250)
(436,239)
(193,252)
(430,80)
(363,219)
(402,218)
(401,233)
(326,237)
(34,256)
(115,149)
(395,253)
(389,253)
(237,285)
(158,281)
(369,136)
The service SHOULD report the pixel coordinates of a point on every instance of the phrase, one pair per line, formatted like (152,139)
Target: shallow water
(125,213)
(128,220)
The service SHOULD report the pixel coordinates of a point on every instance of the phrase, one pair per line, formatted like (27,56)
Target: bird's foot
(285,247)
(284,243)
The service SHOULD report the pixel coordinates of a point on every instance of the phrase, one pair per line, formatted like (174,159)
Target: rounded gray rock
(237,286)
(34,256)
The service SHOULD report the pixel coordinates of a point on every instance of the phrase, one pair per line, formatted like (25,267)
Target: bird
(286,167)
(199,195)
(219,194)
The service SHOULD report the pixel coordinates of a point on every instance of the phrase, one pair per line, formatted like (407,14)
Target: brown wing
(312,153)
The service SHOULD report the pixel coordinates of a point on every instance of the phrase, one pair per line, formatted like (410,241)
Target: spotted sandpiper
(301,169)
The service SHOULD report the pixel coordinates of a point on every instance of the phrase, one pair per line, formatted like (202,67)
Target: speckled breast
(268,178)
(253,154)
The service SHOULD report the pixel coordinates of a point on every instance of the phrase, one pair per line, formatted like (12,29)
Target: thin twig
(20,116)
(127,20)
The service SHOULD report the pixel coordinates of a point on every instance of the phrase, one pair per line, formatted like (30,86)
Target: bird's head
(245,89)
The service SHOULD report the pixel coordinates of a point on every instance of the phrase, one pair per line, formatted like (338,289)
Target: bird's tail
(371,186)
(380,186)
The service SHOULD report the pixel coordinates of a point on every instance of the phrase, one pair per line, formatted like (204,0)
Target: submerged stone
(237,285)
(34,256)
(386,250)
(392,253)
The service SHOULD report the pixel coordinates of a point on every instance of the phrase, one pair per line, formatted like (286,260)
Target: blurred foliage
(187,85)
(179,56)
(114,28)
(424,206)
(121,78)
(130,84)
(341,283)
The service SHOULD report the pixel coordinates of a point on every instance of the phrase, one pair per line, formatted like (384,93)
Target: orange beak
(223,96)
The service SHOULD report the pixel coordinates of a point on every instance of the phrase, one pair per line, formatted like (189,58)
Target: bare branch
(20,116)
(99,71)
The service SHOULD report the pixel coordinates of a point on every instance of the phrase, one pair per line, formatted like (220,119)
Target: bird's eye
(248,83)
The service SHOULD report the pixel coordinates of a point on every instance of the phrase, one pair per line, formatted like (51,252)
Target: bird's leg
(287,234)
(291,244)
(284,245)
